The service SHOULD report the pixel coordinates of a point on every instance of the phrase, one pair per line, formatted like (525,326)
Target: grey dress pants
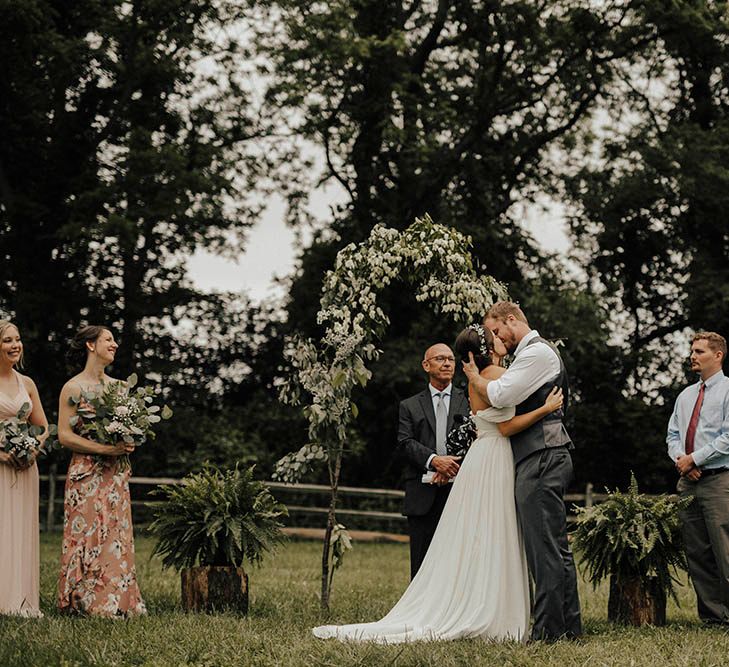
(541,482)
(705,529)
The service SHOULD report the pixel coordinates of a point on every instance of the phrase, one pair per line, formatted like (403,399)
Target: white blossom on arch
(436,261)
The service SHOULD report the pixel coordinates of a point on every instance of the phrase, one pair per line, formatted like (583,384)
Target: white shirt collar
(525,341)
(445,392)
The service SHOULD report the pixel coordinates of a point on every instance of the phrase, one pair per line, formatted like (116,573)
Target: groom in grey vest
(543,467)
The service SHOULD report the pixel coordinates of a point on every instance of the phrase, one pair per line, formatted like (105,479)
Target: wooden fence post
(588,495)
(50,510)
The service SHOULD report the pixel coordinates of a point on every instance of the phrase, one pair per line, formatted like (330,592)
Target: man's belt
(707,472)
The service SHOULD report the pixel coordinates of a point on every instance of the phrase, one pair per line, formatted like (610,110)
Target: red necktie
(691,432)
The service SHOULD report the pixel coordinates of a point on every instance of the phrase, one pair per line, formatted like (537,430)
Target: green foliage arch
(436,262)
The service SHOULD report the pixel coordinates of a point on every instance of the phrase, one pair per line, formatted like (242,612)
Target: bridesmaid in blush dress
(19,551)
(98,574)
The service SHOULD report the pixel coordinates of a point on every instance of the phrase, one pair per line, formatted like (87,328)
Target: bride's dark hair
(476,339)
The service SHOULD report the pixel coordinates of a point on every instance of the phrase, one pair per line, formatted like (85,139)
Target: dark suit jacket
(416,442)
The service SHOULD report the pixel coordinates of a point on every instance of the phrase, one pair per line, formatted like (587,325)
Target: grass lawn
(284,606)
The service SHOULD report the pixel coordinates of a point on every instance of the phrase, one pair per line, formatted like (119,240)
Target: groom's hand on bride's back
(446,465)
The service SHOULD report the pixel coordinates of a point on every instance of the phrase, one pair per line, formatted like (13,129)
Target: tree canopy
(134,133)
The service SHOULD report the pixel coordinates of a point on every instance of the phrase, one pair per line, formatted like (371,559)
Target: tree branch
(660,332)
(330,164)
(428,45)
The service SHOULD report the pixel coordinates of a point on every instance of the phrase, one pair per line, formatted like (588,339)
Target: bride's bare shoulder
(492,372)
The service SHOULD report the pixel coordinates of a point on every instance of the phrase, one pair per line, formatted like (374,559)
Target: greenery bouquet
(117,412)
(22,439)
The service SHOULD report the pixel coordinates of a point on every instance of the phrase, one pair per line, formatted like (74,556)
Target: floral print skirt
(98,575)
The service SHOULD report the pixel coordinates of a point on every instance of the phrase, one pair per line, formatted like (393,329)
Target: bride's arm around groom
(543,465)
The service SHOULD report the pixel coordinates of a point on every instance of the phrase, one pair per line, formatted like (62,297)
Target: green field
(284,606)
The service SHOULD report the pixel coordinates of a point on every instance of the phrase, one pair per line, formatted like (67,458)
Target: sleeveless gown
(98,573)
(19,536)
(473,581)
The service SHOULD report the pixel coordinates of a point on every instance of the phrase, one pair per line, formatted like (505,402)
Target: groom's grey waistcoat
(547,432)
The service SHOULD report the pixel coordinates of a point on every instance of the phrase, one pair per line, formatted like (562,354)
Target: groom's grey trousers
(541,482)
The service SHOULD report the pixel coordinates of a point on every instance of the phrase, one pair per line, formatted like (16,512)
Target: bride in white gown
(473,581)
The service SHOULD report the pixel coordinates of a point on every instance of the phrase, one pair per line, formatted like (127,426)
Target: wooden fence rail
(55,498)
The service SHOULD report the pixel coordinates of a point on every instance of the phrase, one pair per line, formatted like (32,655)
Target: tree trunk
(634,602)
(214,588)
(326,557)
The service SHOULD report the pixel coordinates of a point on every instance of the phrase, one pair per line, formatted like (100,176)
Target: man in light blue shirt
(698,443)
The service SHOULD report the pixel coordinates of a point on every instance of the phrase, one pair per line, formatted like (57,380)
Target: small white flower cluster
(328,386)
(117,428)
(461,297)
(349,302)
(20,438)
(434,258)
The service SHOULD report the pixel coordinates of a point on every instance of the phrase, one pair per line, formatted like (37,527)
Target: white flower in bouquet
(115,427)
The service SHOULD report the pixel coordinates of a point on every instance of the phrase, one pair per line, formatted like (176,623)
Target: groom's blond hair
(502,309)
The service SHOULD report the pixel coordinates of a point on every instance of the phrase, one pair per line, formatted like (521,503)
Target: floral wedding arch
(436,261)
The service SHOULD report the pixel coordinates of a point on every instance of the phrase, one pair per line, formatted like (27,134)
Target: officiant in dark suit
(425,419)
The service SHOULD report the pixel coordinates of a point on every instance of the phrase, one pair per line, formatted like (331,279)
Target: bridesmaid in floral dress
(98,575)
(19,553)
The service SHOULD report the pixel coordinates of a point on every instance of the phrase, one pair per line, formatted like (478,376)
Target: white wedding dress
(473,581)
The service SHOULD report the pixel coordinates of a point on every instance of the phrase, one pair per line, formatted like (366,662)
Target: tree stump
(214,588)
(634,602)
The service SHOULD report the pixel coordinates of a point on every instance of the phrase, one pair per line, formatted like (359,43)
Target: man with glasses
(425,419)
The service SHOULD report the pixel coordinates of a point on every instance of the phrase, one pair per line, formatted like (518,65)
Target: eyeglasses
(441,359)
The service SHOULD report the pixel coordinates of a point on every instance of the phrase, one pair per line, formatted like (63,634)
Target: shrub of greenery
(217,518)
(632,536)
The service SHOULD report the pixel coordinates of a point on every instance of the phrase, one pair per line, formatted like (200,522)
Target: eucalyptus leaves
(117,412)
(22,439)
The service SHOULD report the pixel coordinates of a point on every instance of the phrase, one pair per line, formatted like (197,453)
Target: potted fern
(207,526)
(635,540)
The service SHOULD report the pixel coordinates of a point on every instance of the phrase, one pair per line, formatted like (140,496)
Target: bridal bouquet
(117,412)
(21,439)
(461,435)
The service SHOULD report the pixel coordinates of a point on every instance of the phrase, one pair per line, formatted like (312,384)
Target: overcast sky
(270,250)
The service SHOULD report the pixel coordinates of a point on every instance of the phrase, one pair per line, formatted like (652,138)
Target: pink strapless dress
(19,537)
